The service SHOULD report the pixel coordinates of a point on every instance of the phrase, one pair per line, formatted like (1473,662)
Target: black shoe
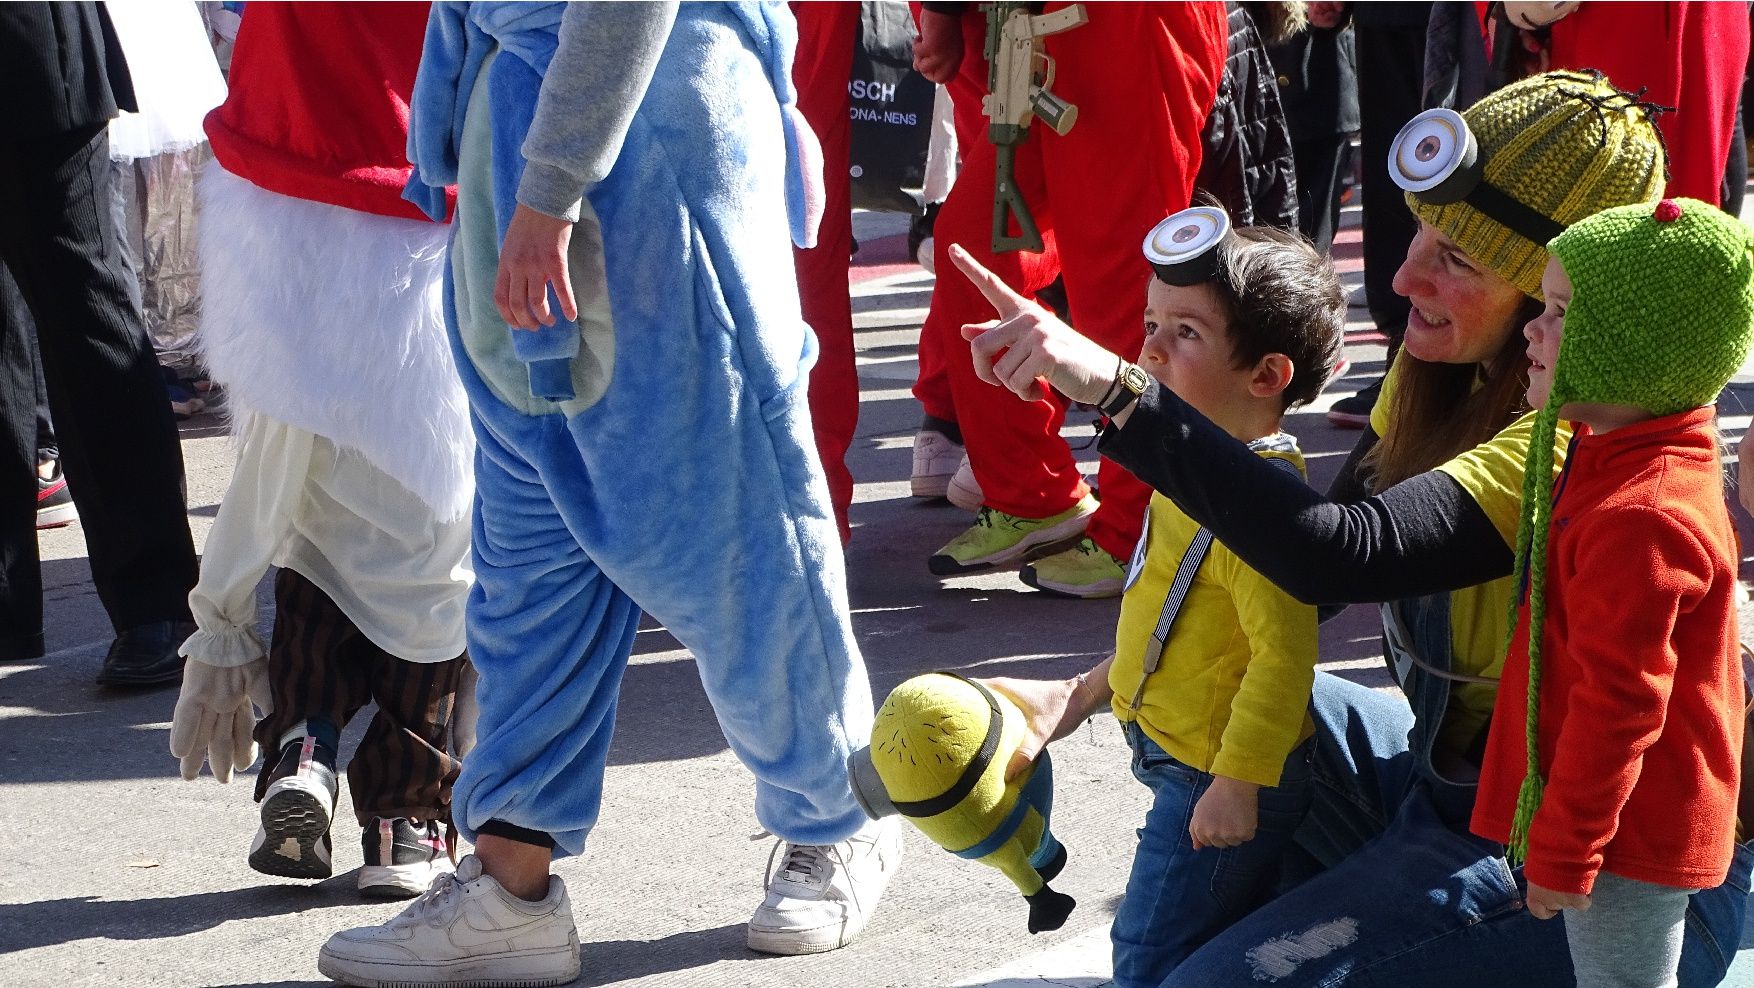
(402,857)
(297,808)
(1354,412)
(146,655)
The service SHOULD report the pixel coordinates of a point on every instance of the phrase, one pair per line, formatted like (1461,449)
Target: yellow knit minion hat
(1565,144)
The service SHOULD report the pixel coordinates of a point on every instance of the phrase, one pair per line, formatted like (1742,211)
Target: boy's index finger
(1006,301)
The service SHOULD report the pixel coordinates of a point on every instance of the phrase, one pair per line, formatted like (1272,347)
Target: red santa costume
(1143,77)
(820,69)
(322,318)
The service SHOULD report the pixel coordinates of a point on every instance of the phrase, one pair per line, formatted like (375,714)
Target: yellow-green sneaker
(1085,570)
(999,539)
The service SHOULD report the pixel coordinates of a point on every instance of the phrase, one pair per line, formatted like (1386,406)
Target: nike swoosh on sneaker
(471,935)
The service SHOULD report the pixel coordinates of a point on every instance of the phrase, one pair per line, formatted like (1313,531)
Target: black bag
(891,111)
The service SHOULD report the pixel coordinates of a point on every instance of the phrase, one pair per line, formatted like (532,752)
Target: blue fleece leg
(725,536)
(550,635)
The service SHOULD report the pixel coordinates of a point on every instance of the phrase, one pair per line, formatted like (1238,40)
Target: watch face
(1136,379)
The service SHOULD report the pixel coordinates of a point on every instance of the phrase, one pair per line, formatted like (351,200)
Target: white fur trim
(332,320)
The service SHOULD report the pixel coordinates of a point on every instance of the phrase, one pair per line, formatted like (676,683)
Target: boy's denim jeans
(1410,896)
(1177,897)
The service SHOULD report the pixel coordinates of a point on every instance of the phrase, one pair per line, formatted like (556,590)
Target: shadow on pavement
(28,925)
(616,961)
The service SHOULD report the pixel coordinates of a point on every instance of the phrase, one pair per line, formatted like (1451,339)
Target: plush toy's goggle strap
(970,775)
(1037,794)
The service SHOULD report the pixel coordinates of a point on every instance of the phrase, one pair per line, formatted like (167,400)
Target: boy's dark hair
(1282,296)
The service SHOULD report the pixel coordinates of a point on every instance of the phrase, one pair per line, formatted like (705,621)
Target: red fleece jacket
(1641,692)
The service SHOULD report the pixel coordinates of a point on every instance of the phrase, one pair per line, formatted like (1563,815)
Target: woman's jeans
(1409,896)
(1178,898)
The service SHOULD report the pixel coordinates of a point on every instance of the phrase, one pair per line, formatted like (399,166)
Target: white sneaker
(821,896)
(964,491)
(463,931)
(935,460)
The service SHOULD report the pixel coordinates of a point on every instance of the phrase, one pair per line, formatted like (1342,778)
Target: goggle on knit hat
(1524,163)
(1661,315)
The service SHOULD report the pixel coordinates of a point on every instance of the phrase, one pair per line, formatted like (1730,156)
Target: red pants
(932,386)
(824,61)
(1143,76)
(1686,55)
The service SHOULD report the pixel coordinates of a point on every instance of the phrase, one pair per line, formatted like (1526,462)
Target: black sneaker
(402,857)
(54,501)
(293,841)
(1354,412)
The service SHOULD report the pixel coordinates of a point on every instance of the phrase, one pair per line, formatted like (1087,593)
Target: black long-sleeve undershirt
(1421,536)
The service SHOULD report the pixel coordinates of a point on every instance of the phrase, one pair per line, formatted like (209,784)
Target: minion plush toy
(938,754)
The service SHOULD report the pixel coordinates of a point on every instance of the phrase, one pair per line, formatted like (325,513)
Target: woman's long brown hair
(1440,410)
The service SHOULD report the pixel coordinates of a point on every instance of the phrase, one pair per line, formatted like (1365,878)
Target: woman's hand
(1027,346)
(533,257)
(1052,708)
(1544,903)
(938,49)
(1226,814)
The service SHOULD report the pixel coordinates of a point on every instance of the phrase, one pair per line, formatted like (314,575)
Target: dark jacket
(1318,82)
(61,69)
(1246,161)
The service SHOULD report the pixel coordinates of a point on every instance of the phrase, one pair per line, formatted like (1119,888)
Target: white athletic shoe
(935,460)
(963,490)
(464,932)
(821,895)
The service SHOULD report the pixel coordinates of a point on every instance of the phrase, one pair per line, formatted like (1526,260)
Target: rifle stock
(1018,74)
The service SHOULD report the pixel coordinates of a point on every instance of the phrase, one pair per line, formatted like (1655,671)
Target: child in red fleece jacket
(1621,696)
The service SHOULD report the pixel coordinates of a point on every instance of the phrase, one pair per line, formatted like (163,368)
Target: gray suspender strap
(1172,605)
(1178,595)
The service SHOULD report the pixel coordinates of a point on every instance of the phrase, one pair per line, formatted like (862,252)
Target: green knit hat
(1565,144)
(1661,315)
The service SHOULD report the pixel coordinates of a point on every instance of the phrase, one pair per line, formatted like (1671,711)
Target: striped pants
(321,667)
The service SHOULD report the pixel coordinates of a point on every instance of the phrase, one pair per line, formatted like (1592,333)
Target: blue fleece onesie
(657,453)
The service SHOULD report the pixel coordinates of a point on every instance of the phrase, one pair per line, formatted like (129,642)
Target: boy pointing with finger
(1213,664)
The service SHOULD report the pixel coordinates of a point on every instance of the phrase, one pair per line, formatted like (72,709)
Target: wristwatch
(1130,382)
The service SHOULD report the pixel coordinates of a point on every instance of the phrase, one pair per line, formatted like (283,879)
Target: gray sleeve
(607,54)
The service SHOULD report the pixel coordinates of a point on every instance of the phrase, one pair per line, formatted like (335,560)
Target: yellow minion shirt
(1231,695)
(1492,474)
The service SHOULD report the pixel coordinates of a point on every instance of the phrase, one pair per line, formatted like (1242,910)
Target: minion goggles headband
(1436,158)
(1185,248)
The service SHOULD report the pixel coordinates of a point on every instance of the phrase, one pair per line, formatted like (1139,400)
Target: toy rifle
(1018,76)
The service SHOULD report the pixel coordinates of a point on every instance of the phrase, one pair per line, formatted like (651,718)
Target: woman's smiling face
(1462,311)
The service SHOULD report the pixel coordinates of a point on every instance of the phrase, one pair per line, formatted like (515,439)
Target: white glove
(213,719)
